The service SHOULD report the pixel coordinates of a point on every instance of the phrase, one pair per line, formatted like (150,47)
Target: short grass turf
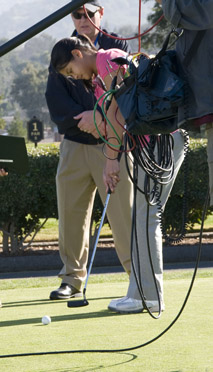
(187,346)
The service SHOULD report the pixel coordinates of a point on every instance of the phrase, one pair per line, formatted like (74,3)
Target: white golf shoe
(127,305)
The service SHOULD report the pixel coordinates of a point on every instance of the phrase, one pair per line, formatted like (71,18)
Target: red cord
(139,27)
(122,38)
(127,132)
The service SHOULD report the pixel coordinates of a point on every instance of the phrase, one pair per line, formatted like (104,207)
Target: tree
(38,49)
(24,72)
(2,123)
(16,127)
(28,91)
(7,75)
(152,41)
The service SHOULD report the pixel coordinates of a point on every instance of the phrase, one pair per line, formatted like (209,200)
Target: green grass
(187,347)
(50,230)
(208,224)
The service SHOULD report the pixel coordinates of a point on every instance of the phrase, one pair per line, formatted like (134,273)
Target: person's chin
(85,30)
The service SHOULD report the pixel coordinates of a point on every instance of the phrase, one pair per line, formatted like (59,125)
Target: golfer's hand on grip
(111,174)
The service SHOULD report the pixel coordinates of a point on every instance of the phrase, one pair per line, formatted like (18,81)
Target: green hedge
(27,198)
(197,188)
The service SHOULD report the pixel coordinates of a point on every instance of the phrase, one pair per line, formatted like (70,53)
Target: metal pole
(96,240)
(40,26)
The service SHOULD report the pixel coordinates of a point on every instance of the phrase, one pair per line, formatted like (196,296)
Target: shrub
(197,180)
(25,199)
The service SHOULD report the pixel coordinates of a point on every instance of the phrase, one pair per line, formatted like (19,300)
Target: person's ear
(77,53)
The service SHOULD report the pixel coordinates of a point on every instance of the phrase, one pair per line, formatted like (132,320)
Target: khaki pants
(209,131)
(80,172)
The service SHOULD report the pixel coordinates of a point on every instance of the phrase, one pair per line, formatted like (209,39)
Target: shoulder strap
(196,42)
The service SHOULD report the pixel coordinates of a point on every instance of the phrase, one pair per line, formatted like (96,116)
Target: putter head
(77,303)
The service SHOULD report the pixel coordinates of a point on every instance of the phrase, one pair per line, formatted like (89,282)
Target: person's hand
(111,174)
(86,123)
(101,128)
(3,172)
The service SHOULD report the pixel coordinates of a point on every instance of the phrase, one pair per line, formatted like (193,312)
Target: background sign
(35,130)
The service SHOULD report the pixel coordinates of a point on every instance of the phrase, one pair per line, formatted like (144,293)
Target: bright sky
(127,10)
(117,14)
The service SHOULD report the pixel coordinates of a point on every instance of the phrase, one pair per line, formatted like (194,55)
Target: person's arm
(112,166)
(189,14)
(68,103)
(66,100)
(62,107)
(86,123)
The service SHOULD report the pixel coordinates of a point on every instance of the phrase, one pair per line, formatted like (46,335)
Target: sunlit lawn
(50,230)
(208,224)
(187,347)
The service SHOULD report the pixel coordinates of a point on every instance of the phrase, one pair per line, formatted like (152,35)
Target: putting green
(186,347)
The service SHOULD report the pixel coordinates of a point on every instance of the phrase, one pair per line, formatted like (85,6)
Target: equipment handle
(166,43)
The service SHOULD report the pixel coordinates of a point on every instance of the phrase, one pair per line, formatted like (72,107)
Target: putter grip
(118,158)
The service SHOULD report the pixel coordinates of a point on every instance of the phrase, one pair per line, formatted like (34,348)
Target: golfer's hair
(61,53)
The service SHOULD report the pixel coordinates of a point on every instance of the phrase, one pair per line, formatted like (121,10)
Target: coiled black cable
(176,240)
(159,168)
(155,158)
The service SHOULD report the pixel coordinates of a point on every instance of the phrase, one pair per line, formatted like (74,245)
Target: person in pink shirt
(82,60)
(77,57)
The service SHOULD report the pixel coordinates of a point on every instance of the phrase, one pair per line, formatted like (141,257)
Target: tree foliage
(197,185)
(23,77)
(16,127)
(2,123)
(153,41)
(28,91)
(27,198)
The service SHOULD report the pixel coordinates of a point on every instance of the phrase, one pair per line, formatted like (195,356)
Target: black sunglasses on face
(77,15)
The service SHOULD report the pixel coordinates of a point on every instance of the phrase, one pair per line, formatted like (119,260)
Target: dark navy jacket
(194,16)
(67,98)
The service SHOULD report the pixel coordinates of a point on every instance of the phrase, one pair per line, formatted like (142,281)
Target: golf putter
(84,302)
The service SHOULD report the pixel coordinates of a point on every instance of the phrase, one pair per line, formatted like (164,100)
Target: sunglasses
(77,15)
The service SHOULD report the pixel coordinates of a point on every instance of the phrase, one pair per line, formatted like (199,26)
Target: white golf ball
(46,319)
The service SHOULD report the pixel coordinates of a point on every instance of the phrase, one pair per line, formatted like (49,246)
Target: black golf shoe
(65,291)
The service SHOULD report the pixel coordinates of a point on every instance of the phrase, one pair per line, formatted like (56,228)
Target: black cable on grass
(145,343)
